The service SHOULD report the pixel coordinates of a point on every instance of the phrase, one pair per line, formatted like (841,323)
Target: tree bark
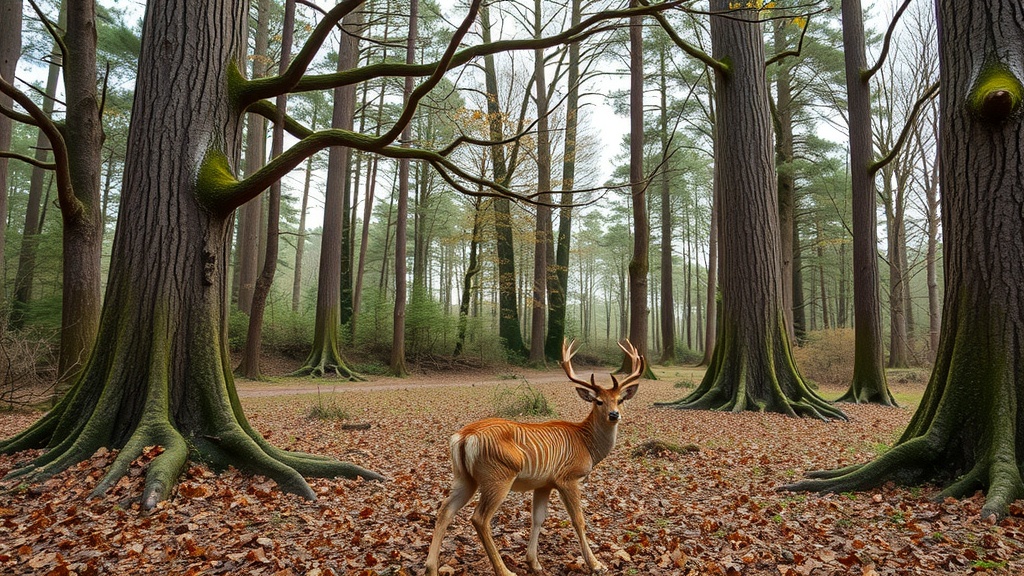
(542,235)
(966,430)
(868,383)
(508,311)
(250,366)
(326,356)
(10,52)
(397,367)
(752,367)
(250,216)
(162,377)
(558,290)
(668,307)
(786,177)
(24,276)
(639,263)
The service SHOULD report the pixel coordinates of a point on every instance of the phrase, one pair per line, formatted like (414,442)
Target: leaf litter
(710,508)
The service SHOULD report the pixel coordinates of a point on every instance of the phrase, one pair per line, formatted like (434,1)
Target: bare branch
(684,45)
(17,116)
(799,47)
(52,29)
(907,128)
(867,74)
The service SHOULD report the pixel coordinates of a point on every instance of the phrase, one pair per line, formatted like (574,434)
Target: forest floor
(712,509)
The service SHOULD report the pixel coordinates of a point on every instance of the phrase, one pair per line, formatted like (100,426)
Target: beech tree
(967,429)
(163,376)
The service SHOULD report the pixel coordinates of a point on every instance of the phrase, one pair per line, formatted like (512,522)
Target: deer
(495,456)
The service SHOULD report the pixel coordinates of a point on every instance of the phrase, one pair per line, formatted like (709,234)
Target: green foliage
(520,400)
(284,331)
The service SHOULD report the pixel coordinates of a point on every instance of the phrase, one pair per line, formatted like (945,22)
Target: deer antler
(568,351)
(637,367)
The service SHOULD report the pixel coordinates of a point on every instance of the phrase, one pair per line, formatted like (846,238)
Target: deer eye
(598,402)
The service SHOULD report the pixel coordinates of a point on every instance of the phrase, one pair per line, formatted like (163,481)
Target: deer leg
(570,494)
(541,497)
(491,497)
(461,493)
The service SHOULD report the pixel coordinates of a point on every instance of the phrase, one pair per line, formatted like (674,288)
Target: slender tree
(967,428)
(250,366)
(10,52)
(250,216)
(397,367)
(542,236)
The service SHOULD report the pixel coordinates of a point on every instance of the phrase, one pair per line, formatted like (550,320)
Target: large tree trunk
(752,367)
(868,383)
(10,51)
(325,356)
(968,426)
(163,376)
(250,216)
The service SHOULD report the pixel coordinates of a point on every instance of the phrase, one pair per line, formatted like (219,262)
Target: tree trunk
(558,290)
(83,221)
(162,377)
(639,263)
(508,312)
(968,426)
(668,307)
(250,216)
(250,366)
(784,166)
(752,367)
(24,277)
(325,355)
(10,52)
(467,281)
(868,384)
(397,367)
(899,343)
(300,239)
(542,236)
(710,334)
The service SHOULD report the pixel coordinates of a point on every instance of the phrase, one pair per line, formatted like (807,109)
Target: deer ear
(586,394)
(629,392)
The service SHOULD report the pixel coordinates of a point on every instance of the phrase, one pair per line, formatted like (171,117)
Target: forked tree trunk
(968,426)
(752,367)
(163,376)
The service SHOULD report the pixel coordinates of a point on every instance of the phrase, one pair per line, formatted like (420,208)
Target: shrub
(326,410)
(28,360)
(521,400)
(827,356)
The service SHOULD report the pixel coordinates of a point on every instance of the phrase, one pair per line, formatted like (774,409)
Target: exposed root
(905,462)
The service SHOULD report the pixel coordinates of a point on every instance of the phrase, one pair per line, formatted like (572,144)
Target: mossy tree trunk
(752,366)
(163,375)
(969,425)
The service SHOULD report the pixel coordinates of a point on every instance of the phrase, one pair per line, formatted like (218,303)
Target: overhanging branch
(28,160)
(867,74)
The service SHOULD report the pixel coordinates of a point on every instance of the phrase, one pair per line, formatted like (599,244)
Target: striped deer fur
(494,456)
